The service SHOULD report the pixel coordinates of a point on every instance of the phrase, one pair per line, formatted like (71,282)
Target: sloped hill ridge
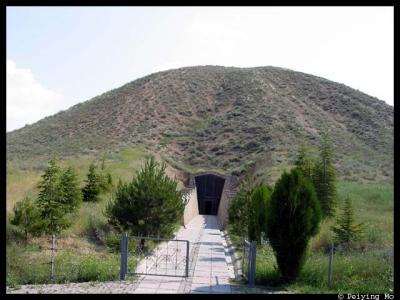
(223,118)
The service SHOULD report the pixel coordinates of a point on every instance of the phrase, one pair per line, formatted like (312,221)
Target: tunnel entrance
(209,190)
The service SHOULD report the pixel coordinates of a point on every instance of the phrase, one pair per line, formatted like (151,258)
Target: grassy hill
(221,118)
(218,119)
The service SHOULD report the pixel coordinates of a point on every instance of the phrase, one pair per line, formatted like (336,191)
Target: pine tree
(27,217)
(51,201)
(238,212)
(258,211)
(346,230)
(293,218)
(91,189)
(304,161)
(324,177)
(72,196)
(148,205)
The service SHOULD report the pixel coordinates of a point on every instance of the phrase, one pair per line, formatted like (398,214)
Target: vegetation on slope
(218,117)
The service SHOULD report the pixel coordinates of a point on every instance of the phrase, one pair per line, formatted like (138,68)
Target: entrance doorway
(207,209)
(209,190)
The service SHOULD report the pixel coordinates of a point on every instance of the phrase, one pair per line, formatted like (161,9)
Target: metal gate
(168,257)
(249,261)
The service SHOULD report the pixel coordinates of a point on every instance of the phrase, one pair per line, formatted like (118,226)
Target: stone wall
(229,191)
(191,208)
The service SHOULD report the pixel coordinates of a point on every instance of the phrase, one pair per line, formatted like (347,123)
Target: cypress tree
(293,218)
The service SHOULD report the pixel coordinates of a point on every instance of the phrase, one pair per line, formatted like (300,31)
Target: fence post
(52,256)
(252,266)
(330,267)
(187,258)
(124,256)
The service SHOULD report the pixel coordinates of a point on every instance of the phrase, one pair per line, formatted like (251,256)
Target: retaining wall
(192,207)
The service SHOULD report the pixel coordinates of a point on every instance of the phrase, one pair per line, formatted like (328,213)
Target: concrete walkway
(209,268)
(208,264)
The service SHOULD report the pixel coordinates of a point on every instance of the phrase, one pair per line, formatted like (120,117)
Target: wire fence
(336,266)
(54,260)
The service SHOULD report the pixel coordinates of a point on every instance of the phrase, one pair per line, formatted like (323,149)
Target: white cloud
(27,99)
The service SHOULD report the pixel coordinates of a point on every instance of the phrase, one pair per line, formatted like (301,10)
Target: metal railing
(170,257)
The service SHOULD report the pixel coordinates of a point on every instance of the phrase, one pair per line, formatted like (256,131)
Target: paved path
(209,271)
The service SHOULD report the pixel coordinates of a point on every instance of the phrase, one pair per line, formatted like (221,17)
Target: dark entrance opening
(209,190)
(207,209)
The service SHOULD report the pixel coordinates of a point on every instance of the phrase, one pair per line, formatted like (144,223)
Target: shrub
(294,216)
(97,269)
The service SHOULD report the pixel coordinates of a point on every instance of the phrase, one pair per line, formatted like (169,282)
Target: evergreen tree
(104,179)
(72,196)
(238,212)
(51,200)
(258,211)
(346,230)
(293,218)
(304,161)
(27,217)
(148,205)
(91,189)
(324,177)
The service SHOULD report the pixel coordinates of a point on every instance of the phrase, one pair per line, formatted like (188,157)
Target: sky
(60,56)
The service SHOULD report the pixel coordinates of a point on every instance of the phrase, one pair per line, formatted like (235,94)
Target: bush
(13,233)
(98,269)
(294,216)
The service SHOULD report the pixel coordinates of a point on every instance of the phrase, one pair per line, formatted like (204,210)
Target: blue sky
(60,56)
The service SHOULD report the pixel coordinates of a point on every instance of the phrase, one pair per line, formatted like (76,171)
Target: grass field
(368,271)
(91,246)
(23,181)
(88,250)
